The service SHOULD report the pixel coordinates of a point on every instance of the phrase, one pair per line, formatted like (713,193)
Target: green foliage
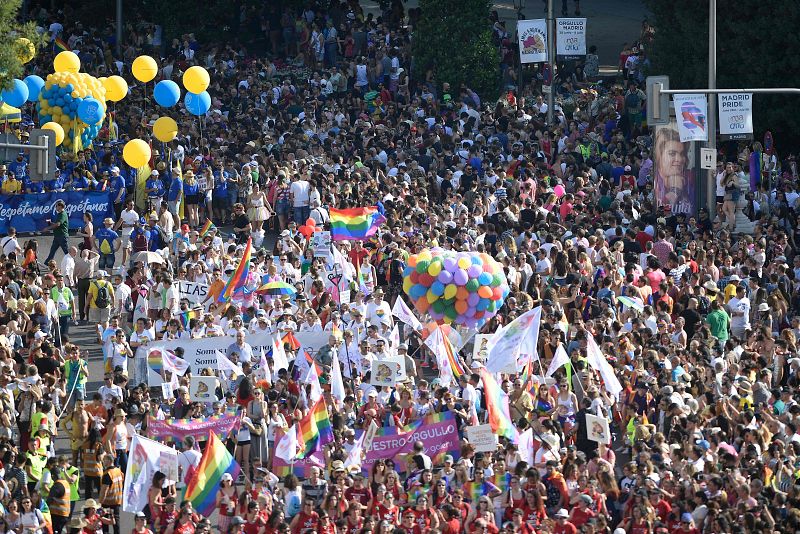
(454,38)
(10,48)
(757,46)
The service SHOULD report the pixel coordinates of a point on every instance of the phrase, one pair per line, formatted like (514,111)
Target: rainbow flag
(315,429)
(155,361)
(497,407)
(474,490)
(239,276)
(289,338)
(61,45)
(48,518)
(355,224)
(207,227)
(203,487)
(187,316)
(455,364)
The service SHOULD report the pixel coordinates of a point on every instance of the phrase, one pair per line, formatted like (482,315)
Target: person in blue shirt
(154,188)
(56,184)
(174,195)
(19,167)
(118,190)
(220,196)
(107,242)
(77,181)
(32,187)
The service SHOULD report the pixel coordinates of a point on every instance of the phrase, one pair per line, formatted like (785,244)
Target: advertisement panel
(675,170)
(29,213)
(571,38)
(532,40)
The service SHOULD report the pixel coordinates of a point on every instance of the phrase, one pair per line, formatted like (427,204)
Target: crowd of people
(697,322)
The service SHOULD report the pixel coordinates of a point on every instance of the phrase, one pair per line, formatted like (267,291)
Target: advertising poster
(691,112)
(571,38)
(674,170)
(532,40)
(735,115)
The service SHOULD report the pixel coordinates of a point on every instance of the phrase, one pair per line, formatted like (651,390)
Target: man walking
(60,228)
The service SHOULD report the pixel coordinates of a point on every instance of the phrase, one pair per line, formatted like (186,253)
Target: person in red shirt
(563,526)
(451,518)
(353,522)
(581,514)
(357,254)
(306,519)
(663,508)
(425,519)
(482,526)
(387,510)
(459,504)
(358,492)
(326,526)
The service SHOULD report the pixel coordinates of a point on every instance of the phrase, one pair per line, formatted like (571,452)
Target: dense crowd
(697,321)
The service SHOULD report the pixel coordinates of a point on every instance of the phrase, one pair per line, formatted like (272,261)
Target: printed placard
(202,388)
(482,438)
(597,429)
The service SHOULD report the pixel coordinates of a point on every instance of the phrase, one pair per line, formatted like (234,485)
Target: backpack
(162,237)
(140,242)
(103,298)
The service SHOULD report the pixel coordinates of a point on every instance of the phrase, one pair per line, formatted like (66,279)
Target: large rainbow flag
(203,486)
(497,407)
(239,276)
(355,224)
(315,429)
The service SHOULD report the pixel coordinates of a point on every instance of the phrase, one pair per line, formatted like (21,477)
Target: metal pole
(551,35)
(711,181)
(119,28)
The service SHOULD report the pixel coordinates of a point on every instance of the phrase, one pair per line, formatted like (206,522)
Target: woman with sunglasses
(306,519)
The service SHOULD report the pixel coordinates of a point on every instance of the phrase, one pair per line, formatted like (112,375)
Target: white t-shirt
(128,218)
(186,460)
(377,312)
(10,244)
(740,305)
(300,190)
(121,294)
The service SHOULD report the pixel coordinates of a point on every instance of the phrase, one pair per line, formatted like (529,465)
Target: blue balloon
(417,291)
(68,88)
(167,93)
(485,279)
(482,304)
(197,104)
(59,101)
(34,84)
(16,95)
(90,110)
(437,288)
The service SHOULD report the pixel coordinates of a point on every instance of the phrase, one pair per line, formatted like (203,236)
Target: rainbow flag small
(207,227)
(48,518)
(497,407)
(315,429)
(455,364)
(61,45)
(474,490)
(289,338)
(203,487)
(187,316)
(155,361)
(355,224)
(239,276)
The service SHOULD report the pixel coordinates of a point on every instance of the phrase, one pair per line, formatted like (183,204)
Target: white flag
(402,312)
(596,359)
(286,448)
(354,456)
(146,458)
(559,358)
(263,367)
(316,389)
(505,345)
(525,446)
(435,342)
(171,362)
(337,384)
(394,337)
(279,359)
(225,365)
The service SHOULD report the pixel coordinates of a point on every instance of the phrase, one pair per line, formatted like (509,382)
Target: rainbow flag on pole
(207,227)
(61,45)
(203,486)
(315,429)
(239,276)
(355,224)
(497,407)
(187,316)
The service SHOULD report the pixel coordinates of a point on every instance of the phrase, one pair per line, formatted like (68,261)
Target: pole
(119,28)
(711,180)
(550,53)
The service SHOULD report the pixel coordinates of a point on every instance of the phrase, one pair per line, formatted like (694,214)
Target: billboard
(675,170)
(532,35)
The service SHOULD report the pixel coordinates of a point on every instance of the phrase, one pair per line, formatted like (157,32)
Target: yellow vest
(114,495)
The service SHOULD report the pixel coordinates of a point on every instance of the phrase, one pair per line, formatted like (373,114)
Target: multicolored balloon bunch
(464,288)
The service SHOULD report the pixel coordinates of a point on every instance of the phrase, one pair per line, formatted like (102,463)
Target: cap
(140,515)
(102,274)
(562,513)
(627,168)
(687,517)
(154,173)
(237,521)
(763,307)
(372,393)
(227,476)
(734,278)
(448,458)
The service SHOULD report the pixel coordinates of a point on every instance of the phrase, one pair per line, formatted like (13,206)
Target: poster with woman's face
(674,168)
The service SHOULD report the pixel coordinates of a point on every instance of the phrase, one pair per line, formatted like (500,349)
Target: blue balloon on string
(16,95)
(90,110)
(197,104)
(167,93)
(35,85)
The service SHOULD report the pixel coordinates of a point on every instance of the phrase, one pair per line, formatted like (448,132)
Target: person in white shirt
(170,296)
(188,460)
(138,341)
(9,244)
(109,391)
(739,308)
(469,396)
(122,292)
(377,308)
(68,267)
(125,225)
(300,191)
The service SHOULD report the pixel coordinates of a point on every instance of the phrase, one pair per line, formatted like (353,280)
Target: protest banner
(175,430)
(570,38)
(192,291)
(480,350)
(321,243)
(30,212)
(144,460)
(482,437)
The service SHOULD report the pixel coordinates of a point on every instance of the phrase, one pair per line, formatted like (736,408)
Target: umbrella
(10,113)
(148,257)
(277,288)
(636,304)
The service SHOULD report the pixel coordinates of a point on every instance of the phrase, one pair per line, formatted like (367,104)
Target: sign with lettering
(736,115)
(571,38)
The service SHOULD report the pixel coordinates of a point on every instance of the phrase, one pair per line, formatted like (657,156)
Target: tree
(454,39)
(12,49)
(754,49)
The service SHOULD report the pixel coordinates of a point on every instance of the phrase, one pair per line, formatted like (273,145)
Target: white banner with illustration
(146,457)
(532,40)
(691,112)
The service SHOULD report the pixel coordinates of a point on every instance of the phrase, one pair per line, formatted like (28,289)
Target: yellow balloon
(66,61)
(144,68)
(25,50)
(431,297)
(56,127)
(464,263)
(435,268)
(165,129)
(450,291)
(136,153)
(116,88)
(196,79)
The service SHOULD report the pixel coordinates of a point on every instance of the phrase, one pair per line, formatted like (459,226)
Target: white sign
(707,158)
(202,389)
(201,353)
(321,243)
(532,40)
(691,113)
(193,292)
(143,462)
(384,373)
(735,113)
(480,350)
(166,390)
(482,438)
(571,37)
(597,429)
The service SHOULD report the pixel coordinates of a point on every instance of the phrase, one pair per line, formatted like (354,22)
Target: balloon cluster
(309,228)
(465,288)
(167,93)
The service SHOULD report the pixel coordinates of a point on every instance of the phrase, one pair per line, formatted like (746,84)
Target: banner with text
(192,291)
(175,430)
(571,38)
(736,115)
(532,40)
(29,213)
(691,112)
(201,353)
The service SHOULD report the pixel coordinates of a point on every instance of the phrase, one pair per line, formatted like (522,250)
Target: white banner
(507,343)
(571,37)
(532,36)
(145,458)
(193,292)
(691,112)
(735,113)
(201,353)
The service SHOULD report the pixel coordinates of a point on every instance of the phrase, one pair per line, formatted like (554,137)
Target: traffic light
(657,102)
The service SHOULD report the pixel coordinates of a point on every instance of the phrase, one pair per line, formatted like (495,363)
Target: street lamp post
(711,182)
(551,52)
